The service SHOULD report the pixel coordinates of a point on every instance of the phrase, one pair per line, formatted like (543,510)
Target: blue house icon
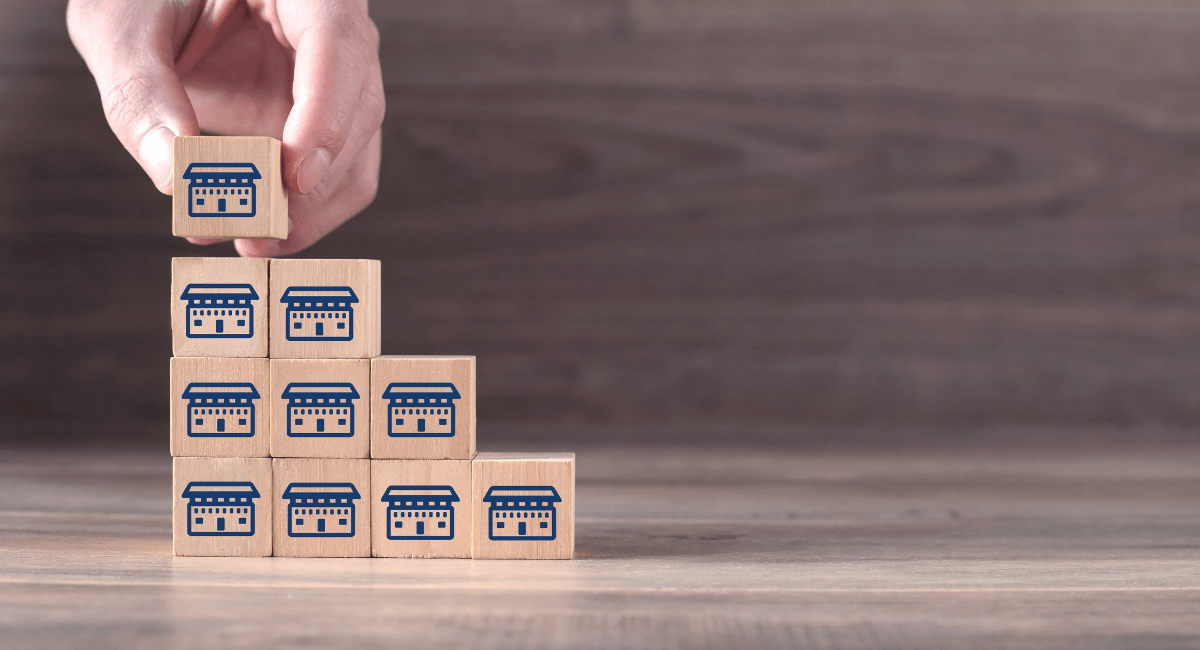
(321,509)
(320,410)
(522,512)
(220,508)
(421,409)
(420,511)
(222,189)
(219,311)
(319,313)
(220,410)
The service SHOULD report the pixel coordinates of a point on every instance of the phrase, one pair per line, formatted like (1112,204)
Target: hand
(304,71)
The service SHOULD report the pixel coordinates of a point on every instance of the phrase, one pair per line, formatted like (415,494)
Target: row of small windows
(221,499)
(522,515)
(313,314)
(220,191)
(532,504)
(436,514)
(219,301)
(220,400)
(221,412)
(337,304)
(413,504)
(320,400)
(319,500)
(421,411)
(321,411)
(319,511)
(221,511)
(243,181)
(220,312)
(422,400)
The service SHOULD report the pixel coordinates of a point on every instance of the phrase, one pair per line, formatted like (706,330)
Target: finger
(337,46)
(317,213)
(130,52)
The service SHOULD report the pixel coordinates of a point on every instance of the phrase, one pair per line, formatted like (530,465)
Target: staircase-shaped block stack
(292,436)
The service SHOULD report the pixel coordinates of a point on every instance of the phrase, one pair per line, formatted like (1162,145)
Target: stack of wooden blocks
(292,436)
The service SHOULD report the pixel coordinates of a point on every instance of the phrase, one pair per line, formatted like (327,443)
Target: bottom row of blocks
(497,506)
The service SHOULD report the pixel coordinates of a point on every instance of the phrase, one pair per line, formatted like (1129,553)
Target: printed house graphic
(222,189)
(220,410)
(319,313)
(320,409)
(522,512)
(421,410)
(420,511)
(219,311)
(220,508)
(321,509)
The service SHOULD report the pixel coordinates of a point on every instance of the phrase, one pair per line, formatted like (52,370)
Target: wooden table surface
(679,548)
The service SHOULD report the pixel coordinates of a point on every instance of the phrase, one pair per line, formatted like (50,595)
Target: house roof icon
(499,494)
(204,390)
(214,489)
(302,390)
(216,171)
(401,390)
(411,492)
(195,292)
(323,490)
(309,294)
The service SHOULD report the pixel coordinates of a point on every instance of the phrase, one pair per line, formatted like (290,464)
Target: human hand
(303,71)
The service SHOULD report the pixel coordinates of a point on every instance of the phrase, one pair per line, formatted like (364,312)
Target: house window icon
(320,410)
(220,410)
(222,189)
(420,511)
(220,508)
(219,311)
(522,512)
(319,313)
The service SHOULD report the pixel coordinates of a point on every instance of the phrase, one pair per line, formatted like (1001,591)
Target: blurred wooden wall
(876,222)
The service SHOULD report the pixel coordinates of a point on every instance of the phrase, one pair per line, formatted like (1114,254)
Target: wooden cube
(324,309)
(228,187)
(218,407)
(320,507)
(319,408)
(421,508)
(222,506)
(524,506)
(423,407)
(219,307)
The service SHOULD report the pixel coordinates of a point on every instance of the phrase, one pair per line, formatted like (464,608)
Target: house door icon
(220,523)
(320,525)
(220,205)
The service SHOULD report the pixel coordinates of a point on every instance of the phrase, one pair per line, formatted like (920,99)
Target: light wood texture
(246,529)
(525,521)
(422,428)
(677,548)
(236,423)
(313,418)
(358,322)
(244,325)
(267,219)
(316,530)
(425,481)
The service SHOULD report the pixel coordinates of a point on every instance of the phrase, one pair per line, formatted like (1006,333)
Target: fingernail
(157,152)
(312,170)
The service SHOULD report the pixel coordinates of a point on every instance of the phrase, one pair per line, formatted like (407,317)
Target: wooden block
(423,407)
(320,507)
(421,508)
(524,506)
(222,506)
(228,187)
(218,407)
(324,309)
(219,307)
(319,408)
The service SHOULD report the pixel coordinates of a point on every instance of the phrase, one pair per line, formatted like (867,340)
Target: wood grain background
(876,222)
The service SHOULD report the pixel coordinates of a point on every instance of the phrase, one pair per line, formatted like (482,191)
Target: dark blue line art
(220,410)
(421,410)
(220,508)
(320,410)
(222,189)
(321,509)
(219,311)
(522,512)
(420,511)
(319,313)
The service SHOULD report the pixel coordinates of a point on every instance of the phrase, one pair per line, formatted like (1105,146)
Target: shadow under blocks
(293,437)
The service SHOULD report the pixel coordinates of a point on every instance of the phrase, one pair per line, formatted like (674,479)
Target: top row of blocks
(285,309)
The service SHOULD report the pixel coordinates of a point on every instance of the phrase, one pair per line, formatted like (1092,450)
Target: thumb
(132,60)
